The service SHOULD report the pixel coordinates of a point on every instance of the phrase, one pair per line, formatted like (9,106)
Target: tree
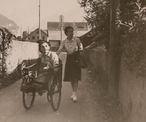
(132,23)
(97,16)
(124,21)
(101,16)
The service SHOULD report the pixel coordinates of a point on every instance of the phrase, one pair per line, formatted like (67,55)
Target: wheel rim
(28,99)
(55,96)
(49,89)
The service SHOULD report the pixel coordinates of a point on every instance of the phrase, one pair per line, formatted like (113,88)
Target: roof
(46,31)
(55,26)
(90,37)
(56,35)
(43,31)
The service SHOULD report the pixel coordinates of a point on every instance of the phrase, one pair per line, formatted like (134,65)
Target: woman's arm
(61,47)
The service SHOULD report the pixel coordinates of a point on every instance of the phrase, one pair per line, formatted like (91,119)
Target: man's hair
(67,28)
(40,44)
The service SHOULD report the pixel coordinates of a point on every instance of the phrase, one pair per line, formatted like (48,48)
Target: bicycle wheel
(28,96)
(28,99)
(49,89)
(55,94)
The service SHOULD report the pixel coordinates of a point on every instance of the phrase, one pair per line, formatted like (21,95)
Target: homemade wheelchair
(30,86)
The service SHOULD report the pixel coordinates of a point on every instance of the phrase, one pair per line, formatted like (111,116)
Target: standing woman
(72,46)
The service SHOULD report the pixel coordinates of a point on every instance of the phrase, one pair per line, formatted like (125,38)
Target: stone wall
(96,61)
(132,96)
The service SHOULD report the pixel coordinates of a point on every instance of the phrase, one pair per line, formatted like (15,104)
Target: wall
(132,96)
(18,52)
(96,61)
(132,89)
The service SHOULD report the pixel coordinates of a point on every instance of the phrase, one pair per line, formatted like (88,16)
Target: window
(33,37)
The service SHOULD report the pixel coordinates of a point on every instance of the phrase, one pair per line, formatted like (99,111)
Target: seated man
(48,63)
(45,67)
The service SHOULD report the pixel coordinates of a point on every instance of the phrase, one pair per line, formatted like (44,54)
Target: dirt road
(87,109)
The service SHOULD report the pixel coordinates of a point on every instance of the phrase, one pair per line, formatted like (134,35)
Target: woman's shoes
(74,98)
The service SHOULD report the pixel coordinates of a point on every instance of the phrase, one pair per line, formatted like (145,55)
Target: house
(25,36)
(34,35)
(56,35)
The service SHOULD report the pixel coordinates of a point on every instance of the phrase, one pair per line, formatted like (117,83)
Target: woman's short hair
(67,28)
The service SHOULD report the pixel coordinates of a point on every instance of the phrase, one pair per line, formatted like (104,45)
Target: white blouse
(70,46)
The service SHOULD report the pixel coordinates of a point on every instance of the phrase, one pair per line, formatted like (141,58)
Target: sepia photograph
(72,60)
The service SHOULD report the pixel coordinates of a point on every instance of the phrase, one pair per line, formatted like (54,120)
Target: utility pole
(39,21)
(28,29)
(75,28)
(113,66)
(61,27)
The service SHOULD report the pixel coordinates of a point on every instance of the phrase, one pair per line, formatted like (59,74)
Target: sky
(25,12)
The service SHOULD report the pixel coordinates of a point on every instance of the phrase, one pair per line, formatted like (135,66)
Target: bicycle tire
(53,92)
(24,96)
(29,105)
(48,89)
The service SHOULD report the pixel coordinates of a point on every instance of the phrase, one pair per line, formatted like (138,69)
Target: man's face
(45,47)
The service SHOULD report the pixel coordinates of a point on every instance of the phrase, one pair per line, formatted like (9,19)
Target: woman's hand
(58,53)
(46,68)
(76,49)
